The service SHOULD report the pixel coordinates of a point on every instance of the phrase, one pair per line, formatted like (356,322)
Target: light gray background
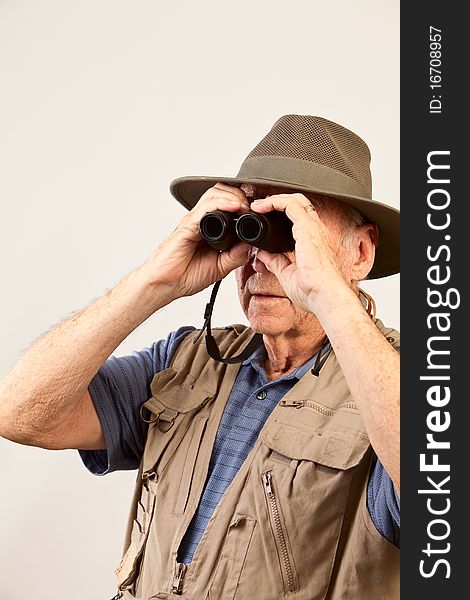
(102,103)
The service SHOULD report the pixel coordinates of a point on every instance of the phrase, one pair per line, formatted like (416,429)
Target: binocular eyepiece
(271,231)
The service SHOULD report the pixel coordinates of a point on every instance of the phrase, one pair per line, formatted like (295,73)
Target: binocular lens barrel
(218,229)
(250,228)
(213,226)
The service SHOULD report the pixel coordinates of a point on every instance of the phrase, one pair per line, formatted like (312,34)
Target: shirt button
(261,395)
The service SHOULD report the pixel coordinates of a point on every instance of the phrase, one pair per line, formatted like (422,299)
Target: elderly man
(270,468)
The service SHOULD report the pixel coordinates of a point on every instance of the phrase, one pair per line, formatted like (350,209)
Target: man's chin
(268,324)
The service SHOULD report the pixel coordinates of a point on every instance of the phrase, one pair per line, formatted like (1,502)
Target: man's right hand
(184,263)
(44,400)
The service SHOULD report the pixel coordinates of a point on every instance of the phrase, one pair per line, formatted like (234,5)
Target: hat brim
(188,190)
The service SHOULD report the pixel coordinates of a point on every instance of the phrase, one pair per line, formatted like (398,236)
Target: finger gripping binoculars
(271,231)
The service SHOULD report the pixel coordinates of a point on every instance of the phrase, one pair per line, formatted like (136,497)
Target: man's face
(261,295)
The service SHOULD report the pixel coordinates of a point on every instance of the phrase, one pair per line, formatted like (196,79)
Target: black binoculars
(271,231)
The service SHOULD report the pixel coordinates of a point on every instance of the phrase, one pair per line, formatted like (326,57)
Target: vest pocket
(303,478)
(128,569)
(194,440)
(232,558)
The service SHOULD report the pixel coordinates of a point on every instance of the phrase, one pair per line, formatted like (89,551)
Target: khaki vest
(293,523)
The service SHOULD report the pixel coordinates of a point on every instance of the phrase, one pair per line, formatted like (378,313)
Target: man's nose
(257,265)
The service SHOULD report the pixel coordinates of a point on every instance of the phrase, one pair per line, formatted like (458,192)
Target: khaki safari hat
(311,154)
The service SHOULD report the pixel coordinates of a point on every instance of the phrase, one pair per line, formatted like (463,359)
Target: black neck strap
(321,357)
(211,344)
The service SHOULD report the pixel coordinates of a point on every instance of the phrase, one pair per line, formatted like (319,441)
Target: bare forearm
(40,394)
(371,367)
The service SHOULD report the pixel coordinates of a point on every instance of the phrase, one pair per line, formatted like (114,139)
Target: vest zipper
(178,577)
(328,412)
(278,532)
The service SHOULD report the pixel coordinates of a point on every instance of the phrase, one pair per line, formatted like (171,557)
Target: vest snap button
(261,395)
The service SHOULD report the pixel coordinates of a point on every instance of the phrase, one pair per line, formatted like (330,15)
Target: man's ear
(366,241)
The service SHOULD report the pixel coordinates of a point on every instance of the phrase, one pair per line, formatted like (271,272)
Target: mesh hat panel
(320,141)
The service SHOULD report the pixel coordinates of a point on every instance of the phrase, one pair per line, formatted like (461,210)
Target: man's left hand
(316,267)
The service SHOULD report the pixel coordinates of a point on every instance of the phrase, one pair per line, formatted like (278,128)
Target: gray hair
(351,218)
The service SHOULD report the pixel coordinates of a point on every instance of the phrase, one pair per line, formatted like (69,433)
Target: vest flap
(330,447)
(178,390)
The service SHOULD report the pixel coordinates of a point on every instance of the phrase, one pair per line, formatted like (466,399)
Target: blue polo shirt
(122,385)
